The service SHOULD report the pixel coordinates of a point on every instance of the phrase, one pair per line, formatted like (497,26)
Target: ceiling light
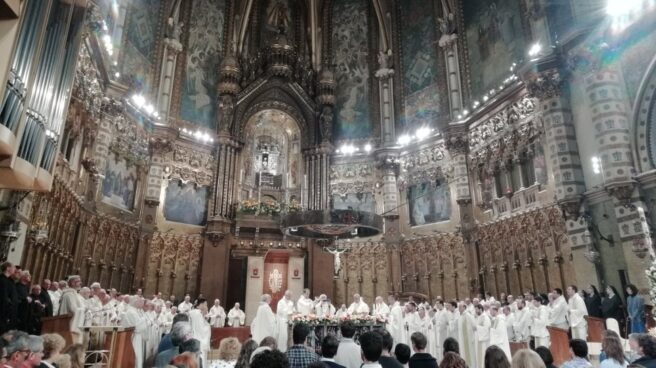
(404,139)
(535,50)
(367,147)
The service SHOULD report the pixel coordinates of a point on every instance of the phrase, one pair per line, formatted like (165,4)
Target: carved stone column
(450,47)
(546,85)
(385,76)
(172,48)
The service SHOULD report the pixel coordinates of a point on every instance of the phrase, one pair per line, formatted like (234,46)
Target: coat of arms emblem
(275,281)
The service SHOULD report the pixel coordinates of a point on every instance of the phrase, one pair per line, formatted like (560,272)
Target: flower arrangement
(249,205)
(270,207)
(314,320)
(294,206)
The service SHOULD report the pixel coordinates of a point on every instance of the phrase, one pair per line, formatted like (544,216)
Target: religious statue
(278,17)
(326,123)
(174,28)
(226,109)
(336,252)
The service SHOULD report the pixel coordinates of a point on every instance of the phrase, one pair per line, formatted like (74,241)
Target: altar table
(218,333)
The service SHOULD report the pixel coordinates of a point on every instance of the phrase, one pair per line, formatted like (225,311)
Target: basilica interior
(232,148)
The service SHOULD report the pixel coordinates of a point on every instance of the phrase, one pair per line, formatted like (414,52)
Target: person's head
(288,295)
(356,298)
(419,342)
(510,298)
(347,328)
(76,352)
(237,306)
(53,344)
(496,358)
(180,332)
(558,292)
(578,348)
(180,317)
(74,282)
(190,346)
(612,346)
(402,353)
(45,284)
(391,299)
(631,290)
(18,348)
(633,342)
(300,333)
(462,307)
(265,298)
(545,355)
(247,349)
(329,346)
(526,358)
(451,344)
(494,310)
(421,311)
(187,360)
(187,298)
(647,345)
(269,341)
(452,360)
(571,290)
(306,292)
(217,302)
(36,289)
(372,346)
(229,349)
(388,340)
(479,309)
(7,268)
(270,359)
(35,344)
(521,304)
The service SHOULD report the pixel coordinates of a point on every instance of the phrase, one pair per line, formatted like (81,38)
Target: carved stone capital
(571,208)
(151,203)
(160,145)
(384,73)
(457,144)
(622,191)
(215,237)
(545,85)
(464,201)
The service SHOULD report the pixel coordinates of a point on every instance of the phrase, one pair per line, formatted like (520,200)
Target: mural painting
(419,60)
(118,186)
(202,65)
(185,203)
(138,51)
(355,201)
(429,202)
(495,39)
(350,40)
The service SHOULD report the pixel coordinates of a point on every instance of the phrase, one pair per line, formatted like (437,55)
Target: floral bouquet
(293,206)
(249,206)
(270,207)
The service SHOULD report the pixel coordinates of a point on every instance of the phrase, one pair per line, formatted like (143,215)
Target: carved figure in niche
(226,111)
(326,122)
(278,16)
(385,59)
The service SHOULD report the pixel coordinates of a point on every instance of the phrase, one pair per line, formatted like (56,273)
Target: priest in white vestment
(444,316)
(236,316)
(358,307)
(342,312)
(305,305)
(483,325)
(284,311)
(264,324)
(186,305)
(558,313)
(324,307)
(201,328)
(132,317)
(73,303)
(522,322)
(426,327)
(411,322)
(498,332)
(380,309)
(165,318)
(217,314)
(539,324)
(452,316)
(395,320)
(466,336)
(55,296)
(510,322)
(577,313)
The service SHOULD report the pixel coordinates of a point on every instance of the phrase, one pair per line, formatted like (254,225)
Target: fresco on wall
(137,54)
(355,201)
(350,42)
(495,39)
(198,99)
(635,60)
(429,202)
(185,203)
(419,58)
(118,186)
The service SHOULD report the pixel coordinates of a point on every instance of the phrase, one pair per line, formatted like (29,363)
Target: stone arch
(644,122)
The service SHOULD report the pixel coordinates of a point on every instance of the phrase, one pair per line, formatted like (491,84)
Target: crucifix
(336,251)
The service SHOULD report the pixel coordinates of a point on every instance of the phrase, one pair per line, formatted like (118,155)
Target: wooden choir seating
(559,344)
(59,325)
(242,333)
(596,327)
(115,349)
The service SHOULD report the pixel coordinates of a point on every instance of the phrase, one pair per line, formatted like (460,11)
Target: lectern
(559,344)
(59,325)
(596,326)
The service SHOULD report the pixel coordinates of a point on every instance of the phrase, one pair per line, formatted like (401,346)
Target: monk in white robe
(342,312)
(165,319)
(482,334)
(539,324)
(452,320)
(324,308)
(411,322)
(284,311)
(236,316)
(380,309)
(522,322)
(577,313)
(395,320)
(498,332)
(305,305)
(201,329)
(510,322)
(264,324)
(558,311)
(425,326)
(186,305)
(466,335)
(217,314)
(72,302)
(358,307)
(444,316)
(133,318)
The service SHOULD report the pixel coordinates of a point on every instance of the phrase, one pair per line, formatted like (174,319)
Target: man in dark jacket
(44,298)
(328,350)
(647,351)
(386,359)
(8,298)
(420,359)
(372,347)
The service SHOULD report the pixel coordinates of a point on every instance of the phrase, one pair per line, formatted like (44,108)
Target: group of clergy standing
(475,323)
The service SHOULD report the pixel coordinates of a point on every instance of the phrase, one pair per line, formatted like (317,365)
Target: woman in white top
(615,358)
(229,349)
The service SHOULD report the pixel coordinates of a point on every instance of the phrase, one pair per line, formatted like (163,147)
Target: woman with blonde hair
(526,358)
(228,353)
(612,347)
(53,344)
(76,352)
